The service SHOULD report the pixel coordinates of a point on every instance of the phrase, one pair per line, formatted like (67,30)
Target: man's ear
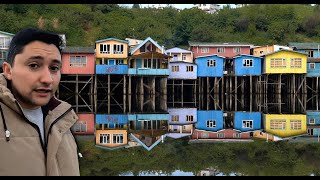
(6,67)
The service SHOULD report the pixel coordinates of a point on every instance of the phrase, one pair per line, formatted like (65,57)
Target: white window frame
(295,63)
(312,65)
(211,123)
(117,48)
(211,63)
(117,138)
(220,50)
(236,49)
(184,57)
(278,63)
(246,124)
(78,61)
(247,62)
(204,135)
(312,121)
(175,68)
(80,127)
(278,124)
(105,139)
(295,124)
(220,135)
(189,68)
(189,118)
(204,50)
(175,118)
(105,48)
(5,42)
(236,135)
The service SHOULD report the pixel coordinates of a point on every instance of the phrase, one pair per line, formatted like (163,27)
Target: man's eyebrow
(41,58)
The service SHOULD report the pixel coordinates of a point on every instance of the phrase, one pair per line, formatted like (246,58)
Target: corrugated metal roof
(304,45)
(177,50)
(192,43)
(73,49)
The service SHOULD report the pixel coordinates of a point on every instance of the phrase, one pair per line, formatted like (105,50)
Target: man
(35,136)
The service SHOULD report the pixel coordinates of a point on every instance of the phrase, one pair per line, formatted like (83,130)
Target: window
(118,49)
(80,126)
(189,68)
(211,123)
(5,42)
(236,49)
(175,118)
(104,138)
(278,124)
(295,124)
(175,69)
(295,62)
(118,139)
(277,63)
(211,63)
(175,57)
(220,50)
(220,135)
(310,53)
(78,60)
(204,50)
(247,63)
(104,48)
(311,121)
(247,124)
(204,135)
(310,132)
(312,66)
(189,118)
(184,127)
(184,57)
(3,55)
(236,135)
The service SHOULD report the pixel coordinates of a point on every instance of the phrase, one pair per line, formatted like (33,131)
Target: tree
(136,6)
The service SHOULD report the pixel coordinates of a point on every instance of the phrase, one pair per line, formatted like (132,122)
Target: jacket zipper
(54,122)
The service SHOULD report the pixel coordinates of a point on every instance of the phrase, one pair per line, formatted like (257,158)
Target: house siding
(241,70)
(182,73)
(206,71)
(68,69)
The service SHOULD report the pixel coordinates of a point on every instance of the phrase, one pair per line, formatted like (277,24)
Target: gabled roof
(284,50)
(239,55)
(210,55)
(73,49)
(109,39)
(177,50)
(144,42)
(6,33)
(304,45)
(226,44)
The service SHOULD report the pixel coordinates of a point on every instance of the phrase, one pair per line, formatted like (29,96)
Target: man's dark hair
(28,35)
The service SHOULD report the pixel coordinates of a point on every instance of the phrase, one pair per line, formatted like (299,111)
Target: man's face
(35,74)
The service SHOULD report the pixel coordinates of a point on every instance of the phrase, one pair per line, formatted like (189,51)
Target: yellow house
(111,51)
(285,62)
(262,50)
(112,138)
(285,125)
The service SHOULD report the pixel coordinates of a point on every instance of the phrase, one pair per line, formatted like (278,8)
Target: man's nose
(46,76)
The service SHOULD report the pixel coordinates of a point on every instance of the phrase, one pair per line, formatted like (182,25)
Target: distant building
(209,8)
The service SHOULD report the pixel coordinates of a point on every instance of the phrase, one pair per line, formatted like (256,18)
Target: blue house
(181,121)
(148,129)
(211,120)
(247,121)
(313,123)
(247,65)
(312,49)
(210,66)
(313,67)
(182,70)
